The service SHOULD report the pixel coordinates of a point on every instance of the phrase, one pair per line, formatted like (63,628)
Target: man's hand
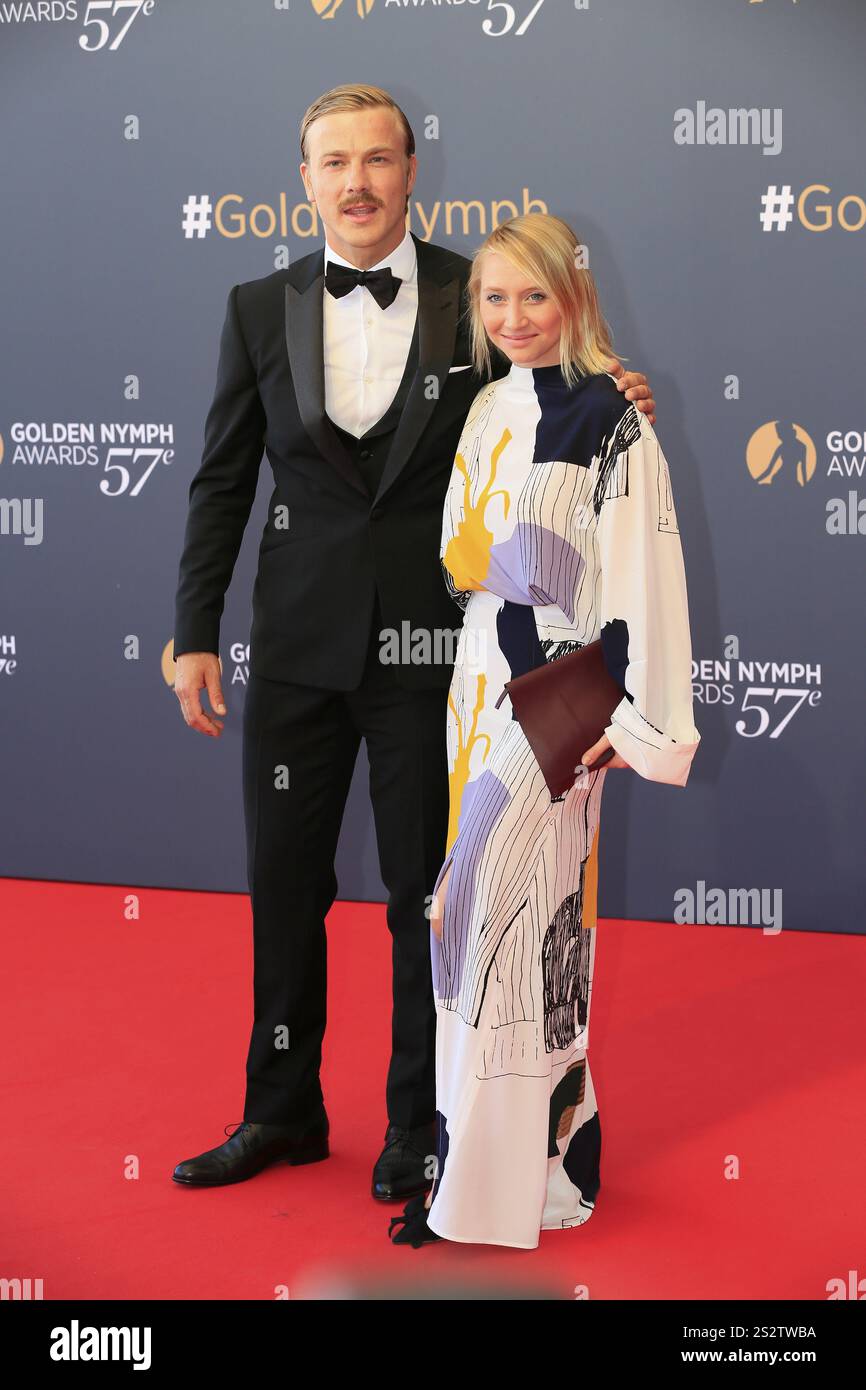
(635,387)
(195,670)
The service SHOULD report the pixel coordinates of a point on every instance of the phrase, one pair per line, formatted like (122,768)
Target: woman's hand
(635,387)
(437,906)
(596,751)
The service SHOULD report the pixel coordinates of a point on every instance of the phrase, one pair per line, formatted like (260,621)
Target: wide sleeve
(644,606)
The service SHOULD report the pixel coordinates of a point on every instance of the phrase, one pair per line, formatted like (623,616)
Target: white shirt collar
(403,260)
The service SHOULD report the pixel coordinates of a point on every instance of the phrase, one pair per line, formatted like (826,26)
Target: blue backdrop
(710,157)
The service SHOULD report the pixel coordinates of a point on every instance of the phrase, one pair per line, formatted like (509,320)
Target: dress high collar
(528,377)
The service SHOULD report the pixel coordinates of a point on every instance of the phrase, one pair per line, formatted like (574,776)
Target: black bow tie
(341,279)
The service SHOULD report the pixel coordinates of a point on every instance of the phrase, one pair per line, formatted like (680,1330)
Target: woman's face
(520,318)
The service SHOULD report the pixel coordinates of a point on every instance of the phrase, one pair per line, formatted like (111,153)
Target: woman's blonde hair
(545,249)
(354,96)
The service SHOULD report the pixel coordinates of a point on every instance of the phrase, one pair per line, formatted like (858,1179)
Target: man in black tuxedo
(351,370)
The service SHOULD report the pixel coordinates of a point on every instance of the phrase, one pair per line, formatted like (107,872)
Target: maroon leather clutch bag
(564,707)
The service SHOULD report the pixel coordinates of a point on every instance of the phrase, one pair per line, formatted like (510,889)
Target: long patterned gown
(559,527)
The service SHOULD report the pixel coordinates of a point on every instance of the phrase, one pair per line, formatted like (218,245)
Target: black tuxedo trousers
(292,833)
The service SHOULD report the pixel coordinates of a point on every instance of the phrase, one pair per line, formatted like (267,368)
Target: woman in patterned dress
(559,528)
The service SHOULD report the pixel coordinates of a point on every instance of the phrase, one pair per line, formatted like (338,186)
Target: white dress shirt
(365,347)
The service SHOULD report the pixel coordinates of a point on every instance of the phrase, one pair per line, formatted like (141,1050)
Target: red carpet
(125,1044)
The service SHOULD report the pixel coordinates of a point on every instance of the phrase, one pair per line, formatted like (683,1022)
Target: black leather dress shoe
(248,1150)
(405,1165)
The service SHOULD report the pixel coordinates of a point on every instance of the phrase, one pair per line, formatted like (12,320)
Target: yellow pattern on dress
(459,774)
(467,555)
(467,559)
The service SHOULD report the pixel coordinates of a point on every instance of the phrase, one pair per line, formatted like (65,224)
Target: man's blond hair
(355,96)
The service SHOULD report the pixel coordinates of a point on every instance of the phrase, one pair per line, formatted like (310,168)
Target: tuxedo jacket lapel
(438,308)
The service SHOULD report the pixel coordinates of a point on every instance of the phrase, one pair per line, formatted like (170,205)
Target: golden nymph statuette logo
(326,9)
